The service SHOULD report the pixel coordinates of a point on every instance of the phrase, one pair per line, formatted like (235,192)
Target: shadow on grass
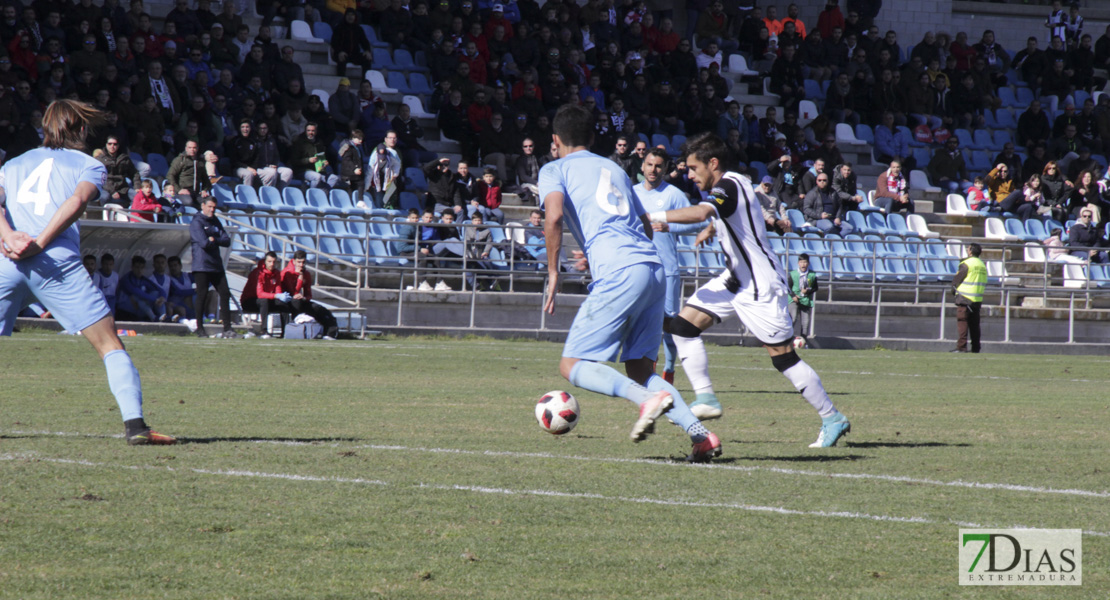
(277,440)
(804,458)
(904,445)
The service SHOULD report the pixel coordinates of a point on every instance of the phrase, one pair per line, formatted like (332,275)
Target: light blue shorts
(673,302)
(59,281)
(623,310)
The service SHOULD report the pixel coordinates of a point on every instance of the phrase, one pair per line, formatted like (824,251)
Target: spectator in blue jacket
(891,144)
(208,236)
(139,295)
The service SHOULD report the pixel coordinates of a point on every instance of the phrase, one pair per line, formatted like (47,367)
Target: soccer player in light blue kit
(656,194)
(42,194)
(624,310)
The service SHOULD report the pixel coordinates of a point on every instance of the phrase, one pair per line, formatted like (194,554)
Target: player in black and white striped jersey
(754,286)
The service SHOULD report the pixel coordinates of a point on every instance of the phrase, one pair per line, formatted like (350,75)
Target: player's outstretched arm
(553,239)
(67,215)
(690,214)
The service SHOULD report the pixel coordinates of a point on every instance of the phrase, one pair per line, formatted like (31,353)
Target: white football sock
(695,362)
(806,381)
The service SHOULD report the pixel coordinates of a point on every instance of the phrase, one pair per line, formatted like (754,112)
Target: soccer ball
(799,342)
(557,412)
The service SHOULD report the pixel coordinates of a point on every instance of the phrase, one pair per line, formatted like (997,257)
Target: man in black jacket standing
(443,193)
(208,236)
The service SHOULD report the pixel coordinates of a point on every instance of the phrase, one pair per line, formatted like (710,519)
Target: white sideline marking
(1011,487)
(512,492)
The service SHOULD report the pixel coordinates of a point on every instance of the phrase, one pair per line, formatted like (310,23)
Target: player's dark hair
(300,254)
(66,123)
(174,260)
(271,253)
(704,147)
(89,256)
(107,256)
(157,256)
(138,260)
(574,125)
(413,211)
(975,249)
(658,153)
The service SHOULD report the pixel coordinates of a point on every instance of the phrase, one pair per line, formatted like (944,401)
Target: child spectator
(978,198)
(139,295)
(479,245)
(296,281)
(488,200)
(1054,244)
(107,280)
(263,293)
(407,234)
(145,206)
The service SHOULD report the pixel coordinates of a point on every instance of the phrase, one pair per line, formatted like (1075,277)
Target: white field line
(526,492)
(1010,487)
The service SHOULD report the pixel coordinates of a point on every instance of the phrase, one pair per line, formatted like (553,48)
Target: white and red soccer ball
(557,412)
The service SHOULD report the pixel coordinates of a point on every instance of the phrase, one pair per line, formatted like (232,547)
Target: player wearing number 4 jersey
(42,194)
(754,286)
(624,310)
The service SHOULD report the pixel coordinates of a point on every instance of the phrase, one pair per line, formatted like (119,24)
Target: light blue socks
(670,352)
(680,413)
(606,380)
(123,380)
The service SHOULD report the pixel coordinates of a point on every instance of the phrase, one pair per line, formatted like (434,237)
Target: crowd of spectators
(227,103)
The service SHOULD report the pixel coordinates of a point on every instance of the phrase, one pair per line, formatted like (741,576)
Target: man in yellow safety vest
(968,284)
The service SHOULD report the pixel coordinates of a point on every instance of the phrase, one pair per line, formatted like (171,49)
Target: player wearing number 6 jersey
(42,194)
(754,286)
(624,310)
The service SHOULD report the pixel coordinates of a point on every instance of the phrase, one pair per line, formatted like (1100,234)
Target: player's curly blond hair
(67,123)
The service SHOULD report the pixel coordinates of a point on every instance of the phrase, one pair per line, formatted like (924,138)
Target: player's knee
(783,362)
(683,328)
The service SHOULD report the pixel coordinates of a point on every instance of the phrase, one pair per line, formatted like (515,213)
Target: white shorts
(766,318)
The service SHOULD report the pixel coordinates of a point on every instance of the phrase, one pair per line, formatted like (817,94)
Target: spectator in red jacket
(263,293)
(830,18)
(145,205)
(296,281)
(487,199)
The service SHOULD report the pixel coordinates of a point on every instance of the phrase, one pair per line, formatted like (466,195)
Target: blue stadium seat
(1017,228)
(776,243)
(815,244)
(405,61)
(418,82)
(897,222)
(798,222)
(794,243)
(383,59)
(158,165)
(922,155)
(759,166)
(397,81)
(984,139)
(335,227)
(979,160)
(317,199)
(1005,119)
(966,140)
(1035,228)
(861,267)
(865,133)
(320,29)
(876,224)
(935,248)
(342,200)
(293,198)
(415,176)
(1024,97)
(409,200)
(1006,95)
(813,90)
(372,36)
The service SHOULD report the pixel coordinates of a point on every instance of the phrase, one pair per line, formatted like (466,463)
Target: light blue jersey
(38,182)
(667,197)
(601,210)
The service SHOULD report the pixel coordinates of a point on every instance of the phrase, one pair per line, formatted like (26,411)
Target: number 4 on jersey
(34,188)
(608,196)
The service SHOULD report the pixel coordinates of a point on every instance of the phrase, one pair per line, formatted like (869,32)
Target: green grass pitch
(413,468)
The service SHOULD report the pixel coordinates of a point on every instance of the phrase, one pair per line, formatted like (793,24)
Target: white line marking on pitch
(1011,487)
(512,492)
